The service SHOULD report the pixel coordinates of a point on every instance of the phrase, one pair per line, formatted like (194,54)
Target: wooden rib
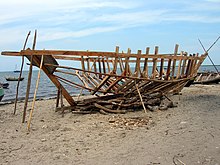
(108,65)
(161,68)
(113,84)
(100,85)
(154,70)
(188,68)
(174,60)
(137,67)
(193,71)
(82,80)
(179,67)
(168,70)
(103,65)
(71,82)
(95,69)
(88,64)
(121,65)
(126,62)
(184,66)
(82,63)
(88,80)
(92,79)
(116,60)
(100,68)
(145,69)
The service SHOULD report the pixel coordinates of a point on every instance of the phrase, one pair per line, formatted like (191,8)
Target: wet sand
(187,134)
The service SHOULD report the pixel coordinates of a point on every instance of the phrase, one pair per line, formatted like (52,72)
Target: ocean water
(46,88)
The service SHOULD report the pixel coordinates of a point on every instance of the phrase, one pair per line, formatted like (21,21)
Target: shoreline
(189,132)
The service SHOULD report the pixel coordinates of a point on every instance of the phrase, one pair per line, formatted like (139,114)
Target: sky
(101,25)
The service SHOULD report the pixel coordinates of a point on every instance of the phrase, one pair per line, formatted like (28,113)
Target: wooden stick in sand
(29,80)
(140,97)
(35,93)
(22,65)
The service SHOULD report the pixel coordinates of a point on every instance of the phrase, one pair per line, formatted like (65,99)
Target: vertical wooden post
(29,80)
(22,65)
(35,93)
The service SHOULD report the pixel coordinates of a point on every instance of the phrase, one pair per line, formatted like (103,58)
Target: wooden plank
(64,53)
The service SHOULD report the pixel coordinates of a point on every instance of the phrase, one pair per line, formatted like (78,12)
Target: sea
(46,88)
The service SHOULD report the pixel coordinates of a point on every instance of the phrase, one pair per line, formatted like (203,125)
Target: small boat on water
(207,78)
(4,85)
(16,70)
(1,93)
(14,78)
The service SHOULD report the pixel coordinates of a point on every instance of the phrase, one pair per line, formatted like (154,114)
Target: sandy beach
(187,134)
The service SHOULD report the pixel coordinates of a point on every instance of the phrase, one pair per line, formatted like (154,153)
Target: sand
(187,134)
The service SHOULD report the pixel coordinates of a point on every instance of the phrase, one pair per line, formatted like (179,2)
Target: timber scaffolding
(127,80)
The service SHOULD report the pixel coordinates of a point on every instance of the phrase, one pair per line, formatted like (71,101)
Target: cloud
(57,19)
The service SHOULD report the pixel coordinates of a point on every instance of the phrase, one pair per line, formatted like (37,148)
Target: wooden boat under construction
(126,79)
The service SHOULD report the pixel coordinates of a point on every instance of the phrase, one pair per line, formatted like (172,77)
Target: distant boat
(4,85)
(16,70)
(207,78)
(1,93)
(14,78)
